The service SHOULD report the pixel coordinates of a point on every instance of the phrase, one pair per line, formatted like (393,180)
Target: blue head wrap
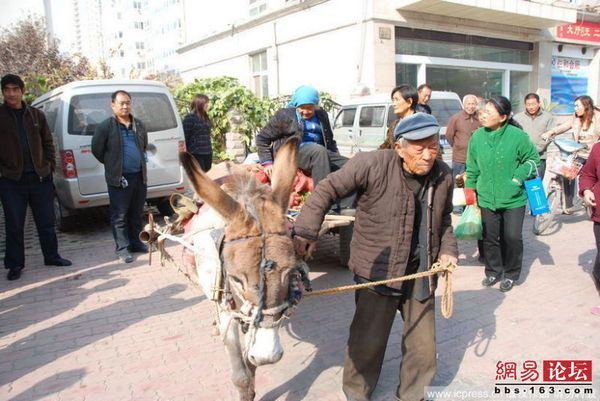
(304,95)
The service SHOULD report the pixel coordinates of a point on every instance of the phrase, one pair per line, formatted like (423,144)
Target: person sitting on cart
(318,153)
(402,226)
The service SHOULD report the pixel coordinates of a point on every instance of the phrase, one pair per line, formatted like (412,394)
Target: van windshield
(443,109)
(87,111)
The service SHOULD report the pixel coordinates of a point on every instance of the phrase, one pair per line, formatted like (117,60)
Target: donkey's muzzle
(266,348)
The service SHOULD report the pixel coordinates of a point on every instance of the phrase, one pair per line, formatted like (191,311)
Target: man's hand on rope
(303,246)
(446,259)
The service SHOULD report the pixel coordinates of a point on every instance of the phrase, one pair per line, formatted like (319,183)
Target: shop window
(458,46)
(480,82)
(406,74)
(259,77)
(519,87)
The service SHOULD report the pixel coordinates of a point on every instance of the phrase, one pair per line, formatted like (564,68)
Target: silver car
(74,110)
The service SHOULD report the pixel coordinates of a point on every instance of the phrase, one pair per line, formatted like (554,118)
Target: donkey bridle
(249,314)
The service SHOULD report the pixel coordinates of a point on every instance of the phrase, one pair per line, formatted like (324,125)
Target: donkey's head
(258,256)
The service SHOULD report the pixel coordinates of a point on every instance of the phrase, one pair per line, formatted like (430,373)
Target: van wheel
(164,207)
(62,220)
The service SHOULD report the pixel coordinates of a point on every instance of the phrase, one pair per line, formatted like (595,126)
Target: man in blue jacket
(120,144)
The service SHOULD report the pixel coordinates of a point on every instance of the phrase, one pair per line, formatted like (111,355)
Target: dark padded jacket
(284,125)
(381,243)
(40,141)
(107,147)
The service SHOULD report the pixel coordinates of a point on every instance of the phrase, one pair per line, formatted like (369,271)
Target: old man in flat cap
(403,225)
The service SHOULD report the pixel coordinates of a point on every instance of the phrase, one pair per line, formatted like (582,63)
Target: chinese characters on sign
(552,371)
(582,30)
(553,379)
(569,80)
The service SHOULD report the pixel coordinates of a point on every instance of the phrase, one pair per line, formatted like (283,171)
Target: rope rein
(157,236)
(446,270)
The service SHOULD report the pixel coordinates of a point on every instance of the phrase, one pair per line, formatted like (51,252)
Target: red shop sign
(582,30)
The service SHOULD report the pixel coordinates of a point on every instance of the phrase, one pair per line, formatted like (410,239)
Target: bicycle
(563,165)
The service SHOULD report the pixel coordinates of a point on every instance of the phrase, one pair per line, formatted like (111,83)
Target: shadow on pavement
(534,249)
(471,328)
(15,314)
(94,323)
(586,260)
(306,326)
(50,385)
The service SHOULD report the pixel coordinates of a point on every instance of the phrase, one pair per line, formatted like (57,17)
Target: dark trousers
(542,168)
(457,169)
(368,339)
(39,195)
(319,162)
(126,208)
(503,242)
(205,161)
(596,271)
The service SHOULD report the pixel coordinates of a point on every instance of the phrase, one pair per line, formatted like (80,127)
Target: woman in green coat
(500,158)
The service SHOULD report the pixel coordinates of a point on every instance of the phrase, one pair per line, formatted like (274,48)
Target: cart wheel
(345,239)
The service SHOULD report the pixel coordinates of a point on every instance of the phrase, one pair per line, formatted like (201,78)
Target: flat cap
(417,126)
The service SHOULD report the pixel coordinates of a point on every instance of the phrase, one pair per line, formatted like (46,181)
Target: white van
(362,123)
(74,110)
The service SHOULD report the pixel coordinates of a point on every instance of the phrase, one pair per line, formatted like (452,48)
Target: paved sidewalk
(101,330)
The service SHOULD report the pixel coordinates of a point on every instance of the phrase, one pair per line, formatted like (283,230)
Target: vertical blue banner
(569,80)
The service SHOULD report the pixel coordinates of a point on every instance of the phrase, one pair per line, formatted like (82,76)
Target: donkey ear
(284,171)
(208,190)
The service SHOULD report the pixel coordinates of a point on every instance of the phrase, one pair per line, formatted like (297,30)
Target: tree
(27,53)
(226,94)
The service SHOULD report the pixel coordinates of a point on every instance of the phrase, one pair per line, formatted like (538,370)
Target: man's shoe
(489,281)
(14,273)
(58,262)
(506,285)
(125,256)
(139,248)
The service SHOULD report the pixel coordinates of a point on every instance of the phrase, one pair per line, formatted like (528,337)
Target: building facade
(358,47)
(135,38)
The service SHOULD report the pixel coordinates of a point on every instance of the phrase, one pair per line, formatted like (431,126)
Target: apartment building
(358,47)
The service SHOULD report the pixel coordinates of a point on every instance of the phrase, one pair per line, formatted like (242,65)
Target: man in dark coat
(120,144)
(27,159)
(403,225)
(318,154)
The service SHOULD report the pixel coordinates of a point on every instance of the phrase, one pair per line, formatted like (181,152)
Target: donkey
(261,275)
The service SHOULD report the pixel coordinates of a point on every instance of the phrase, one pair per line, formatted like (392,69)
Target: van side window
(371,116)
(50,109)
(391,116)
(87,111)
(345,118)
